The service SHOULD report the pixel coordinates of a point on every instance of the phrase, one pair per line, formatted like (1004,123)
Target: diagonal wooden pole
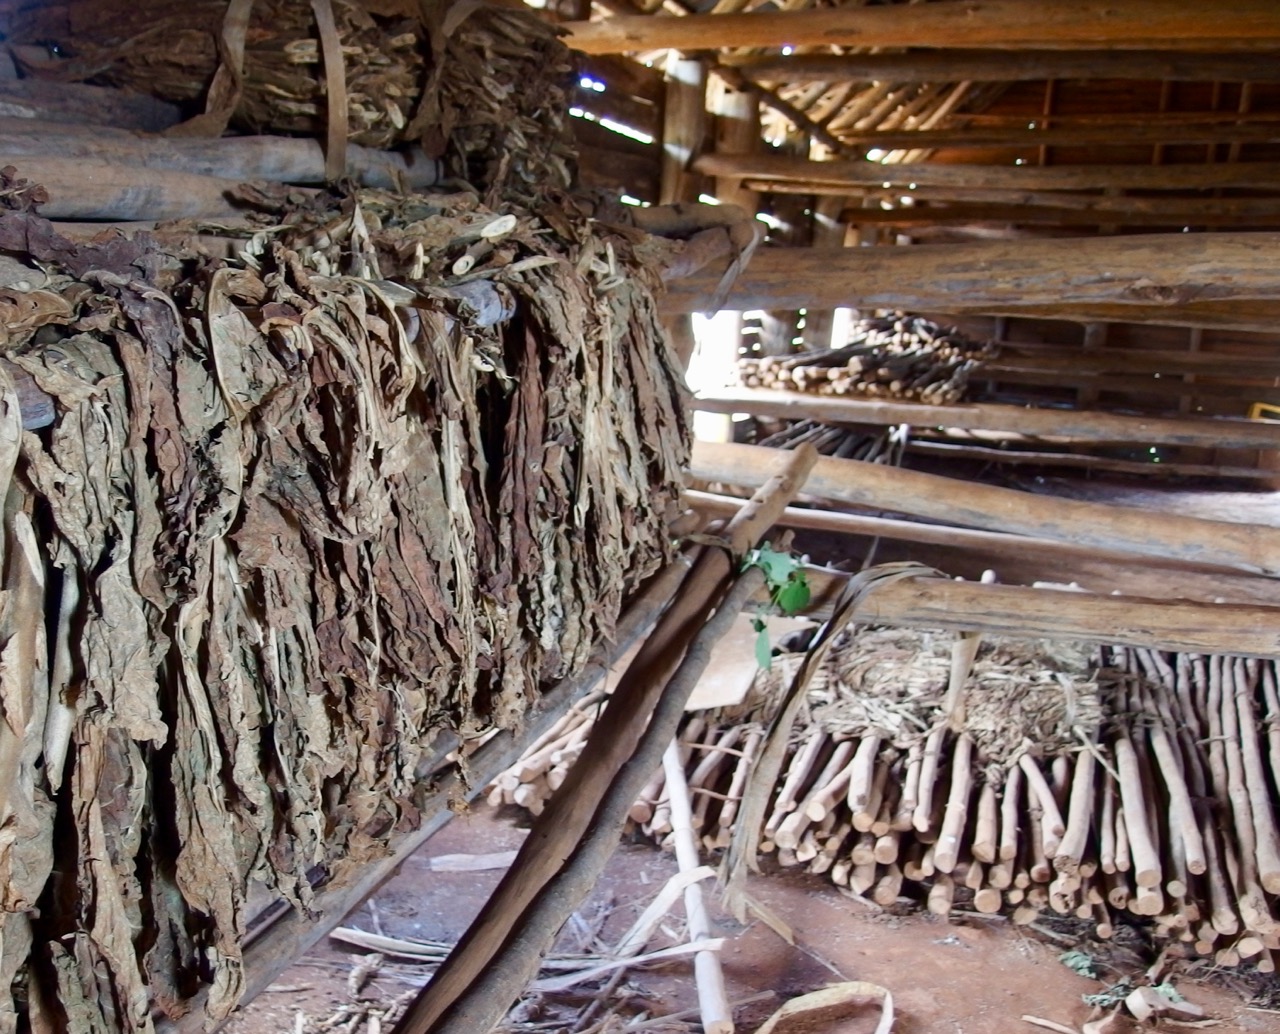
(562,825)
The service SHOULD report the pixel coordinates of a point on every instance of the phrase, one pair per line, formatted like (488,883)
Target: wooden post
(994,24)
(1247,547)
(737,121)
(985,66)
(828,232)
(684,124)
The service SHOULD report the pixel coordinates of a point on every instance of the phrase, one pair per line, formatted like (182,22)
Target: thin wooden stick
(1146,860)
(1052,826)
(730,809)
(941,894)
(947,851)
(1079,816)
(1264,826)
(1182,820)
(713,1001)
(1107,827)
(861,777)
(1009,815)
(928,774)
(985,843)
(910,788)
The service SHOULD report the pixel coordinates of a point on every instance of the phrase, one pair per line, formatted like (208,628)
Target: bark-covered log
(39,99)
(1018,611)
(1155,276)
(1050,424)
(845,173)
(1248,547)
(984,66)
(996,24)
(284,159)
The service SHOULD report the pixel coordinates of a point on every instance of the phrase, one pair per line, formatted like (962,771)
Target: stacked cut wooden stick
(903,357)
(1163,808)
(832,440)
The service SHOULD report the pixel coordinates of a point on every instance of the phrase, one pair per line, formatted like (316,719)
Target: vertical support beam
(1046,111)
(684,127)
(1095,337)
(737,132)
(828,232)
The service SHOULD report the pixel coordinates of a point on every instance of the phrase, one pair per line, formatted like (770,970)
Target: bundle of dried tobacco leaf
(392,473)
(486,89)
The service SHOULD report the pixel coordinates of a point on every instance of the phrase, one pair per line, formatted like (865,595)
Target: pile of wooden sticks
(1164,809)
(903,357)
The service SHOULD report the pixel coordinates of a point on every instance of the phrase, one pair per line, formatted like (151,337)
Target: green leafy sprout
(788,591)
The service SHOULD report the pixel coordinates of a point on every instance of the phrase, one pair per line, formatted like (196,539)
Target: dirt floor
(966,975)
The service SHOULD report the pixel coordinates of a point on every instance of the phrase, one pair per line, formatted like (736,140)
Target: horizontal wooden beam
(1246,547)
(1160,274)
(1125,134)
(1083,461)
(985,66)
(1231,25)
(865,174)
(1047,424)
(1243,395)
(1264,215)
(1040,356)
(710,504)
(1010,610)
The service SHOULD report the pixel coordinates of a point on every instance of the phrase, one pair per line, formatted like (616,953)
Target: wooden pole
(1048,424)
(1153,275)
(1121,134)
(1209,583)
(1170,214)
(283,159)
(985,66)
(849,173)
(614,739)
(1248,547)
(683,127)
(1121,207)
(994,24)
(79,103)
(1075,460)
(1011,610)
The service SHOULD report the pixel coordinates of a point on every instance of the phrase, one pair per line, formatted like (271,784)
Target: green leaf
(1081,962)
(764,651)
(777,567)
(794,596)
